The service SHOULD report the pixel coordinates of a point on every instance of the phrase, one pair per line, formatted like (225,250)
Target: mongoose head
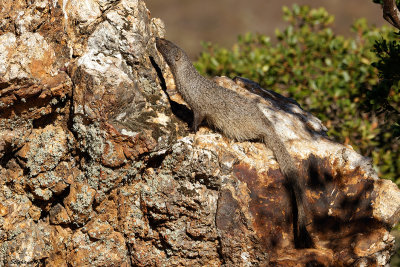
(171,53)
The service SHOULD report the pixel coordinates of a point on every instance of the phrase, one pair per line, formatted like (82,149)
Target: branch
(391,13)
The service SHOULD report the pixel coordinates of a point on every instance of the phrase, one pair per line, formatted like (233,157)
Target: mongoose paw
(197,119)
(194,128)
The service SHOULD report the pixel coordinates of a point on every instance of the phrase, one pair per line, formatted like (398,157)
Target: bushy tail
(294,185)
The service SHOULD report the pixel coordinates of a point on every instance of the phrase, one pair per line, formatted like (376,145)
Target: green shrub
(328,74)
(384,96)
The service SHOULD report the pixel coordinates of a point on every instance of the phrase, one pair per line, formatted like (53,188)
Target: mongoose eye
(178,55)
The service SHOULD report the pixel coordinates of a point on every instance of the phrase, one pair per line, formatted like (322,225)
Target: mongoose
(237,117)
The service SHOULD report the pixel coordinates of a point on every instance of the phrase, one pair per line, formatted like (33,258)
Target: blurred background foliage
(220,22)
(380,2)
(341,80)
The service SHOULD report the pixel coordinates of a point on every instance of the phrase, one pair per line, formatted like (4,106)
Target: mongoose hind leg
(197,120)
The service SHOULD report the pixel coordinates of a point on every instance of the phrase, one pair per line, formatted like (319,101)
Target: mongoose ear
(178,55)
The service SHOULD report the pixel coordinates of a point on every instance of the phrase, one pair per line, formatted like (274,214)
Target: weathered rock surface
(97,167)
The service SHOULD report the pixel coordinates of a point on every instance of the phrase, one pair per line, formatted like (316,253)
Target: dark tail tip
(302,238)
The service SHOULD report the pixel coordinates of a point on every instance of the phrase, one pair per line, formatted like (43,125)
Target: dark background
(188,22)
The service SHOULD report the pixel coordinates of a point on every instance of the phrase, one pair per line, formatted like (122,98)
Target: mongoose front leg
(197,119)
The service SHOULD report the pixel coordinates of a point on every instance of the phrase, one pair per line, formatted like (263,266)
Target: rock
(78,203)
(97,166)
(113,155)
(3,210)
(109,252)
(25,241)
(97,229)
(59,215)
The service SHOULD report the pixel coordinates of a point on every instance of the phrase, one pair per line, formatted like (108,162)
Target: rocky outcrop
(98,168)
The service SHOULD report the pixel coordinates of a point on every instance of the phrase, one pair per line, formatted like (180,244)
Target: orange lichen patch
(40,67)
(34,100)
(113,155)
(112,253)
(126,147)
(146,254)
(78,203)
(15,176)
(59,85)
(10,94)
(3,210)
(98,229)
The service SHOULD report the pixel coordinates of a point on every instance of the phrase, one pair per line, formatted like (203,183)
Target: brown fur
(237,117)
